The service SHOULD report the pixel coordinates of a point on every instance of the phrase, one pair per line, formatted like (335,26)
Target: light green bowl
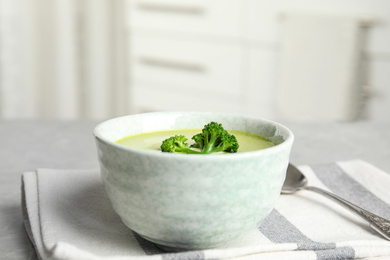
(191,201)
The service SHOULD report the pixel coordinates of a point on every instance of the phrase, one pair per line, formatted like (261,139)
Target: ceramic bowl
(191,201)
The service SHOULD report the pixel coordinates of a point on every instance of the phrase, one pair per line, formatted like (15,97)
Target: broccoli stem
(187,150)
(209,147)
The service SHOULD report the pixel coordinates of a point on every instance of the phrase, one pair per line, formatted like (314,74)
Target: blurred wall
(75,58)
(62,59)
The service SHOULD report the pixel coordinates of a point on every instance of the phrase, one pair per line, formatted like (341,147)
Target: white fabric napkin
(68,216)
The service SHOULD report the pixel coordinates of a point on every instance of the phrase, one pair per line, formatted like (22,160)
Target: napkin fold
(67,215)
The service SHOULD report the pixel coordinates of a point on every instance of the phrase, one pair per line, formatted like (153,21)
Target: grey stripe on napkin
(337,253)
(279,230)
(151,249)
(192,255)
(339,182)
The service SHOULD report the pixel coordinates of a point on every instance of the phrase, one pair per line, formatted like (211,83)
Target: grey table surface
(28,145)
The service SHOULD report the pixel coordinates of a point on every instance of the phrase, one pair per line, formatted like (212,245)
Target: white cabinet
(187,66)
(188,55)
(217,55)
(216,17)
(195,73)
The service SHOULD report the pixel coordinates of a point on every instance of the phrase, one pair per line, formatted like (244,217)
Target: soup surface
(152,140)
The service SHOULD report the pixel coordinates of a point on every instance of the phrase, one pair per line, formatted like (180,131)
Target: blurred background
(309,60)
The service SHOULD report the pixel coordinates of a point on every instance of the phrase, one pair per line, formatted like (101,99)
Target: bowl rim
(228,156)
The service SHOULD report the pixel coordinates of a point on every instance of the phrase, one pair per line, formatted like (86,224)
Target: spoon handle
(381,225)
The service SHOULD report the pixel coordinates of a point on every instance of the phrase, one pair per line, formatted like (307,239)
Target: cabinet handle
(171,64)
(170,8)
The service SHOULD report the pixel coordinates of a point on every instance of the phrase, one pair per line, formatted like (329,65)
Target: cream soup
(152,140)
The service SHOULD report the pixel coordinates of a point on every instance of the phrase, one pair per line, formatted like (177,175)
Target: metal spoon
(295,181)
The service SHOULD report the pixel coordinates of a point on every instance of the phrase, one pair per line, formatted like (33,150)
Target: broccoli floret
(198,138)
(214,138)
(176,144)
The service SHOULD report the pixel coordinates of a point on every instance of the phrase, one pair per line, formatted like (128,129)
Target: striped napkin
(68,216)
